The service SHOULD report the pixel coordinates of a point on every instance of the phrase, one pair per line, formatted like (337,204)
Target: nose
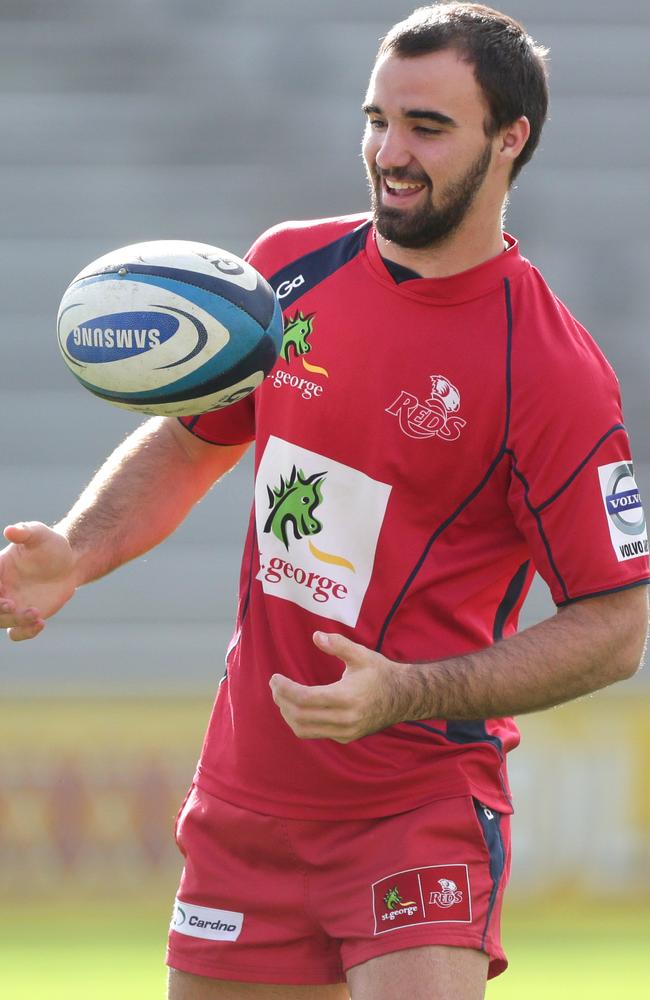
(392,150)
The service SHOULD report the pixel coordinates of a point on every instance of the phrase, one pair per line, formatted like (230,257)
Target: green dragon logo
(293,504)
(296,335)
(296,340)
(392,899)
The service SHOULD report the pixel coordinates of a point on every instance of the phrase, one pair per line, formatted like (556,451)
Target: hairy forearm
(577,652)
(138,497)
(587,646)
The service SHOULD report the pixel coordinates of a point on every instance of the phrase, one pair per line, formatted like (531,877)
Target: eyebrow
(416,113)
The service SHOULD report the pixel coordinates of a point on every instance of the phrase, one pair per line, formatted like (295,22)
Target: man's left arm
(588,645)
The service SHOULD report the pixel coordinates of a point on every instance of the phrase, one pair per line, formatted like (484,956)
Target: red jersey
(421,447)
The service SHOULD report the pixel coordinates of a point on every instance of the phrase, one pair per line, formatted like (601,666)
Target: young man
(453,427)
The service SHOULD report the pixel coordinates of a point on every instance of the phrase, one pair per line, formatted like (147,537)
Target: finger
(315,725)
(13,618)
(21,632)
(339,730)
(333,644)
(286,691)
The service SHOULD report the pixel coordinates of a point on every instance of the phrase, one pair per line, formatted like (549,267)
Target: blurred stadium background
(211,120)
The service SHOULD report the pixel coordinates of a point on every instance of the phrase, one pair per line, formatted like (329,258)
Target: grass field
(72,952)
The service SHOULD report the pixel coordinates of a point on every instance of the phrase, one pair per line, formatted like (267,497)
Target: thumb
(26,532)
(352,653)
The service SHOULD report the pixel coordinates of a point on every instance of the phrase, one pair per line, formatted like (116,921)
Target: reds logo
(433,418)
(449,895)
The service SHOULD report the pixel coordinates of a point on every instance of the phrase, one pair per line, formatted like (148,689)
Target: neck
(468,247)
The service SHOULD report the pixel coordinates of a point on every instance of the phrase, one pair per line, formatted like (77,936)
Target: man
(453,427)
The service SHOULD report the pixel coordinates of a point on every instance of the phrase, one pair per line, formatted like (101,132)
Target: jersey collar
(470,284)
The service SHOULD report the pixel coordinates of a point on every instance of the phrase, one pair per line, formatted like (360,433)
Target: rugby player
(347,829)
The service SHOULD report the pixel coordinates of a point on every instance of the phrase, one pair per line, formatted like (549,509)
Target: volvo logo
(624,501)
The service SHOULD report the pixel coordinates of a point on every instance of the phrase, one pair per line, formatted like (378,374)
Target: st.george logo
(292,506)
(396,906)
(295,341)
(302,498)
(296,344)
(436,417)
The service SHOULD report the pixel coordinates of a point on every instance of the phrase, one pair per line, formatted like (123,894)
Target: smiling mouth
(401,189)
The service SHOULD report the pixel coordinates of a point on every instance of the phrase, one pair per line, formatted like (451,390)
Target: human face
(425,149)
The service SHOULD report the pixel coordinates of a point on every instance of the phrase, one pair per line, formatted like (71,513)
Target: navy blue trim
(477,489)
(509,601)
(258,303)
(547,545)
(429,729)
(427,548)
(509,322)
(579,468)
(247,597)
(462,731)
(536,511)
(604,593)
(491,828)
(399,272)
(468,731)
(318,265)
(472,731)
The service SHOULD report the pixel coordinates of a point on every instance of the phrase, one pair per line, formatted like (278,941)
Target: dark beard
(430,225)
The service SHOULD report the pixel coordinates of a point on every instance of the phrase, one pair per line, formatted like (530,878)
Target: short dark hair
(508,65)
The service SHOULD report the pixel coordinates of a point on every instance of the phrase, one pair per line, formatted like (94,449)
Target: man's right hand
(37,577)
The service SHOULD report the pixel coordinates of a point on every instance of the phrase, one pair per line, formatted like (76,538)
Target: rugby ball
(169,327)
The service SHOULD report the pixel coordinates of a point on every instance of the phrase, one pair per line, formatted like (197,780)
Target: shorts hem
(375,948)
(259,974)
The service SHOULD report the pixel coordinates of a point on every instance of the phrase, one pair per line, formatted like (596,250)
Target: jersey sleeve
(234,424)
(572,492)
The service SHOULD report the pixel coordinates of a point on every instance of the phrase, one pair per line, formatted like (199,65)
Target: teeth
(401,185)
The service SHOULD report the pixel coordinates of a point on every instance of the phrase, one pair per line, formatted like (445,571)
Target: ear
(513,139)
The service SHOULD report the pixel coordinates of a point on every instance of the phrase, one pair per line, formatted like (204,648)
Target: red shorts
(270,900)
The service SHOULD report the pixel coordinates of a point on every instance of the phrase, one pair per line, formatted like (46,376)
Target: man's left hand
(365,699)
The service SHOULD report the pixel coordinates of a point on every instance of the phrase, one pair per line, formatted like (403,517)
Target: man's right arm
(137,498)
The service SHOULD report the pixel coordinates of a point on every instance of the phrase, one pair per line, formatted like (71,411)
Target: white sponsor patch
(625,517)
(206,922)
(318,524)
